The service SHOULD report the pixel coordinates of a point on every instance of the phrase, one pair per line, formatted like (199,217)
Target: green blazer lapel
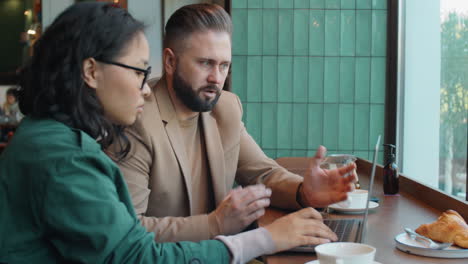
(215,155)
(169,117)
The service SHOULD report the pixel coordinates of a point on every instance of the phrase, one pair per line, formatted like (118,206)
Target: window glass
(434,93)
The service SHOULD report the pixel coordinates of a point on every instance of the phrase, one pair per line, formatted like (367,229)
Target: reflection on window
(453,96)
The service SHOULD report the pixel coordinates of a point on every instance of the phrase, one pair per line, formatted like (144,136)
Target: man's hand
(304,227)
(323,187)
(241,207)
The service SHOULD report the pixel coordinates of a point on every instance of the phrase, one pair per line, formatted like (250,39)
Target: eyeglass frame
(147,72)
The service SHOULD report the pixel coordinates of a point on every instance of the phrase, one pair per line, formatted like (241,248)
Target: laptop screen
(361,235)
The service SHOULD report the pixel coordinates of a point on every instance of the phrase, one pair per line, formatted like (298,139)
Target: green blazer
(63,200)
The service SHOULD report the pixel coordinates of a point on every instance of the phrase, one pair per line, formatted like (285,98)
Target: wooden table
(384,223)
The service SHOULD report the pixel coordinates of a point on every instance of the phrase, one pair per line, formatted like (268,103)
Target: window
(433,93)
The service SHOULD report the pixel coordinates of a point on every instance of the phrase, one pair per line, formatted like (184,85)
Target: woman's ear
(90,72)
(170,61)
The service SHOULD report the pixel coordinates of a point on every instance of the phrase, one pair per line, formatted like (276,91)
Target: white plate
(406,244)
(318,262)
(338,208)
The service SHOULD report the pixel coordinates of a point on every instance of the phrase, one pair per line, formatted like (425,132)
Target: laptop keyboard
(342,227)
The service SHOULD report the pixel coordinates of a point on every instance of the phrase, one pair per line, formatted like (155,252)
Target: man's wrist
(299,196)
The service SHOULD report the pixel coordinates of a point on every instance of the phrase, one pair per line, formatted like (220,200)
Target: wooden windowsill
(420,191)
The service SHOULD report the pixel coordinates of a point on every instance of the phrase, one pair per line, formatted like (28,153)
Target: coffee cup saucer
(337,207)
(318,262)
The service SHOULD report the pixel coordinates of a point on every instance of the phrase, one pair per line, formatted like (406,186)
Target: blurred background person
(10,107)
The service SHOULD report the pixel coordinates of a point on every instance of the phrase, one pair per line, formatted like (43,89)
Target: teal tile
(239,76)
(346,128)
(363,73)
(361,127)
(285,32)
(270,4)
(362,155)
(376,124)
(254,83)
(301,3)
(332,80)
(317,33)
(284,126)
(311,152)
(348,4)
(377,92)
(300,80)
(285,79)
(332,4)
(316,70)
(254,32)
(348,33)
(363,4)
(285,3)
(255,3)
(283,153)
(314,126)
(379,32)
(269,121)
(347,68)
(270,80)
(299,153)
(363,32)
(239,38)
(299,139)
(301,32)
(317,4)
(239,4)
(332,32)
(379,4)
(380,157)
(254,121)
(330,126)
(270,32)
(271,153)
(245,113)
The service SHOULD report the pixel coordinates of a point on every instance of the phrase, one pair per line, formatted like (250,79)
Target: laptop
(349,229)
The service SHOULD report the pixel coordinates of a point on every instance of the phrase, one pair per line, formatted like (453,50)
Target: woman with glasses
(62,200)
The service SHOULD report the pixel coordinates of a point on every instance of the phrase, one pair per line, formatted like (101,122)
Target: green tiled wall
(310,73)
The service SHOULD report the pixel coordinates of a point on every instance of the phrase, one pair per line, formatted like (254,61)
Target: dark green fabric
(63,200)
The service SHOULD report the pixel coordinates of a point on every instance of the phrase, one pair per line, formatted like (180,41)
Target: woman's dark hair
(52,83)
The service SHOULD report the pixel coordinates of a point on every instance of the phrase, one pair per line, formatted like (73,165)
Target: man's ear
(170,61)
(90,72)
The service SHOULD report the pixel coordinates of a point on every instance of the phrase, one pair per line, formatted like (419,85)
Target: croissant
(450,227)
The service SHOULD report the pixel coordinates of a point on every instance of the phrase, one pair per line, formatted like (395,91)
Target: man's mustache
(209,88)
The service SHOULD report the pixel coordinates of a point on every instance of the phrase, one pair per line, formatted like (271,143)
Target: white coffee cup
(356,199)
(345,253)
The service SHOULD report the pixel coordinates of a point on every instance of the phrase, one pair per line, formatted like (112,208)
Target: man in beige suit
(190,144)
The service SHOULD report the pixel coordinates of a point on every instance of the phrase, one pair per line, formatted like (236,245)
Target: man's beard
(191,98)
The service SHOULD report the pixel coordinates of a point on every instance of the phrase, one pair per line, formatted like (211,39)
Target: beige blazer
(158,174)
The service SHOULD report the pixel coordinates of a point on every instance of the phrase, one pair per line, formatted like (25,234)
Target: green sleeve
(88,219)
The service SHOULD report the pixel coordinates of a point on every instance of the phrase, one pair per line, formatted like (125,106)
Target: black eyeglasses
(147,72)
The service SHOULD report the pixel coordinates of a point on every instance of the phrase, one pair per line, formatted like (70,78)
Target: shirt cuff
(249,245)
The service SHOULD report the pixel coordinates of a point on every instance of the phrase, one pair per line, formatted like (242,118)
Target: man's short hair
(195,18)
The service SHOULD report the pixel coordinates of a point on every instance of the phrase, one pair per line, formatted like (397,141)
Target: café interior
(338,73)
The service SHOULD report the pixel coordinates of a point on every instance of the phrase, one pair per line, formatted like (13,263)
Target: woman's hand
(304,227)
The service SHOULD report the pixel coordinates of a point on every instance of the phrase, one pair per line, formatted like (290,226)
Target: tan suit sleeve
(136,169)
(255,167)
(172,229)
